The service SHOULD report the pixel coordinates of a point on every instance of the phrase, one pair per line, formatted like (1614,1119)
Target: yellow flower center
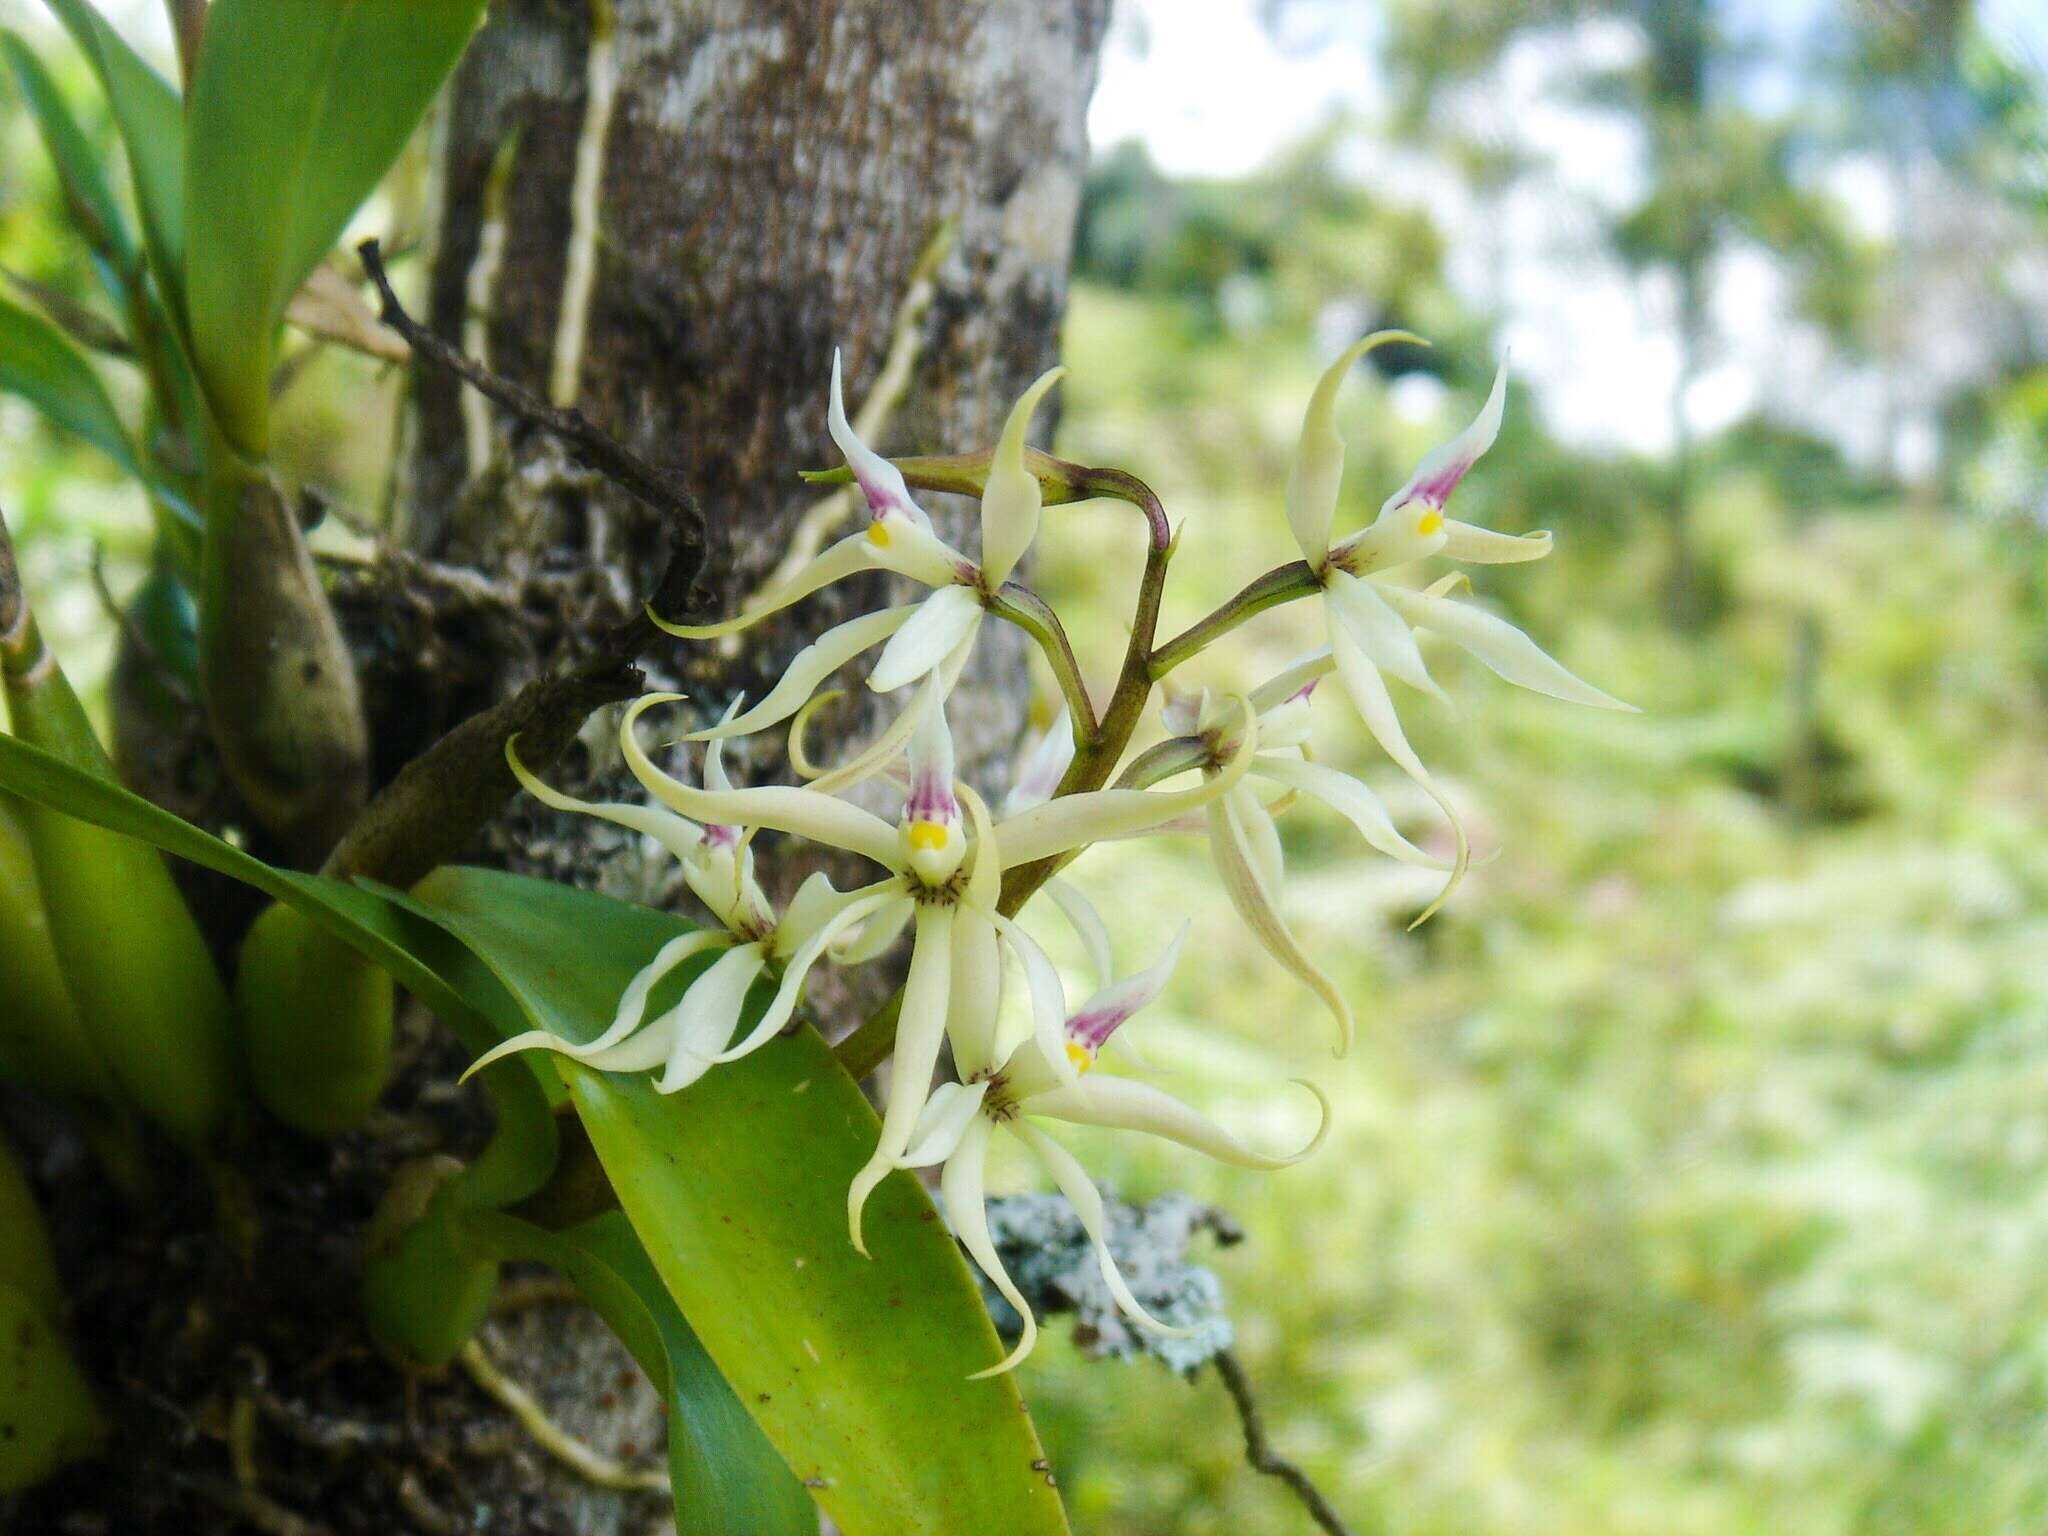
(878,533)
(927,836)
(1430,522)
(1080,1056)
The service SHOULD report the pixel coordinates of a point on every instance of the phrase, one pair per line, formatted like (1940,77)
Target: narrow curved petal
(1075,820)
(1368,693)
(975,1005)
(985,878)
(948,1113)
(889,743)
(1378,630)
(1124,1103)
(834,563)
(633,1001)
(1291,679)
(1253,899)
(1504,648)
(791,987)
(921,644)
(778,807)
(881,483)
(1261,836)
(920,1029)
(708,1014)
(1318,469)
(961,1189)
(1012,499)
(806,670)
(1048,1000)
(1041,766)
(1086,1199)
(1087,924)
(675,833)
(1349,799)
(1442,468)
(1482,546)
(880,931)
(1098,1018)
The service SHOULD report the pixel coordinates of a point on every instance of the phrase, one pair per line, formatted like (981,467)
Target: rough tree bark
(754,192)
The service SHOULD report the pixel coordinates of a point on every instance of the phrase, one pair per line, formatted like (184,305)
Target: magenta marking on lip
(722,837)
(1091,1027)
(930,800)
(1304,690)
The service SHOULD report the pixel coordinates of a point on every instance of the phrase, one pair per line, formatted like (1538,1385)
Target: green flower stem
(1283,584)
(1032,614)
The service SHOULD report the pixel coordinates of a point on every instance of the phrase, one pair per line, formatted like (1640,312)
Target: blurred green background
(1689,1174)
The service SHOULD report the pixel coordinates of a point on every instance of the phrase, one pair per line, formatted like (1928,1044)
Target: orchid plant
(958,875)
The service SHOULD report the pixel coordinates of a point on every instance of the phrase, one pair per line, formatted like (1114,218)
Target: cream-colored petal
(1011,499)
(1378,630)
(948,1113)
(633,1001)
(1368,694)
(806,670)
(1087,924)
(961,1189)
(708,1014)
(1073,821)
(1291,679)
(1254,902)
(1124,1103)
(1442,468)
(1261,837)
(977,997)
(778,807)
(677,834)
(1482,546)
(920,1030)
(881,483)
(879,754)
(878,934)
(1349,799)
(836,562)
(1048,999)
(1041,765)
(1501,646)
(1086,1199)
(985,877)
(1318,469)
(941,623)
(791,986)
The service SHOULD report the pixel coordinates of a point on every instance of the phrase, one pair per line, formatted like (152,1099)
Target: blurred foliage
(1687,1176)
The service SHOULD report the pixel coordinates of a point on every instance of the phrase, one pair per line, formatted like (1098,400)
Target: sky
(1211,91)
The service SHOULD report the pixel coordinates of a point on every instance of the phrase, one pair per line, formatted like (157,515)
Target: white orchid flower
(692,1036)
(933,635)
(1024,1084)
(947,879)
(1245,844)
(1372,624)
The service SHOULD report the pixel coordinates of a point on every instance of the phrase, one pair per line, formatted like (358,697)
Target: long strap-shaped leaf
(298,110)
(40,365)
(151,118)
(856,1368)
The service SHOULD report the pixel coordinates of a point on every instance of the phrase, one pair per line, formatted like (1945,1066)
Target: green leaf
(728,1480)
(856,1368)
(298,110)
(151,117)
(86,192)
(40,365)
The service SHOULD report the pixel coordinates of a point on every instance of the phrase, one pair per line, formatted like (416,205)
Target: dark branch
(1258,1450)
(658,488)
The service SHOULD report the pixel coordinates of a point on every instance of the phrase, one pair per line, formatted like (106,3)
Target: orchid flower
(1245,844)
(692,1036)
(932,635)
(1010,1089)
(945,880)
(1372,624)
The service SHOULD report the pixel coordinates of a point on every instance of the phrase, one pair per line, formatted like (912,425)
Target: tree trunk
(670,211)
